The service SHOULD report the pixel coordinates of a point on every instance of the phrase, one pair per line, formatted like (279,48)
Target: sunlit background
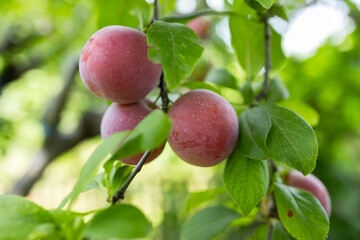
(40,41)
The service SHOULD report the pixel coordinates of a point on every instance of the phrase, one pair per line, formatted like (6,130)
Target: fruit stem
(267,29)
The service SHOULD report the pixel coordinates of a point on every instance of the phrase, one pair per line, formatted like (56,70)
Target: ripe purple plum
(114,65)
(311,184)
(200,26)
(204,128)
(121,117)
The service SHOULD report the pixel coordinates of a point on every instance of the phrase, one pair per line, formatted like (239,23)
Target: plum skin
(200,26)
(204,129)
(311,184)
(121,117)
(114,65)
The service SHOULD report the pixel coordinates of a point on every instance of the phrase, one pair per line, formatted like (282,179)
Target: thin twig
(189,16)
(273,209)
(265,89)
(271,228)
(155,16)
(120,194)
(164,94)
(156,10)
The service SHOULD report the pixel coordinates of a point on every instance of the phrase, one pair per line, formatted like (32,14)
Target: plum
(114,65)
(204,129)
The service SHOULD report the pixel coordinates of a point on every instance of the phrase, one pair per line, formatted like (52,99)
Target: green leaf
(19,217)
(130,13)
(301,213)
(261,232)
(254,4)
(248,93)
(277,55)
(141,9)
(246,181)
(249,45)
(280,233)
(114,12)
(304,110)
(277,91)
(221,76)
(291,140)
(266,3)
(201,85)
(278,10)
(150,133)
(254,126)
(198,198)
(89,170)
(71,223)
(120,176)
(45,231)
(119,221)
(176,47)
(208,223)
(248,42)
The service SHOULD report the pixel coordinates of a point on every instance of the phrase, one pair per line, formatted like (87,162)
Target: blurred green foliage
(39,39)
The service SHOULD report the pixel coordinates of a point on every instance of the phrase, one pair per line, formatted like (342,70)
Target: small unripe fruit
(204,128)
(114,65)
(311,184)
(120,117)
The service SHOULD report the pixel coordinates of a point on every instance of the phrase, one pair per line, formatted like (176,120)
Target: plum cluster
(114,66)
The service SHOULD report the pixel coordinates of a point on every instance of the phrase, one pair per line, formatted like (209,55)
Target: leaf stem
(267,29)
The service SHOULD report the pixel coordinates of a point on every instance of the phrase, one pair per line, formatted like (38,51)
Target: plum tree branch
(189,16)
(271,228)
(164,107)
(164,94)
(120,194)
(272,209)
(156,10)
(56,143)
(267,29)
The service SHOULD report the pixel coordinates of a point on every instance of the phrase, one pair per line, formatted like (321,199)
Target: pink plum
(121,117)
(114,65)
(200,26)
(204,128)
(311,184)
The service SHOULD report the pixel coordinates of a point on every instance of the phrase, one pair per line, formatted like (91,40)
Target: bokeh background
(49,122)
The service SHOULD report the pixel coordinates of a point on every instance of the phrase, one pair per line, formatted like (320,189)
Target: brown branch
(186,17)
(55,143)
(156,10)
(164,94)
(270,232)
(267,29)
(120,194)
